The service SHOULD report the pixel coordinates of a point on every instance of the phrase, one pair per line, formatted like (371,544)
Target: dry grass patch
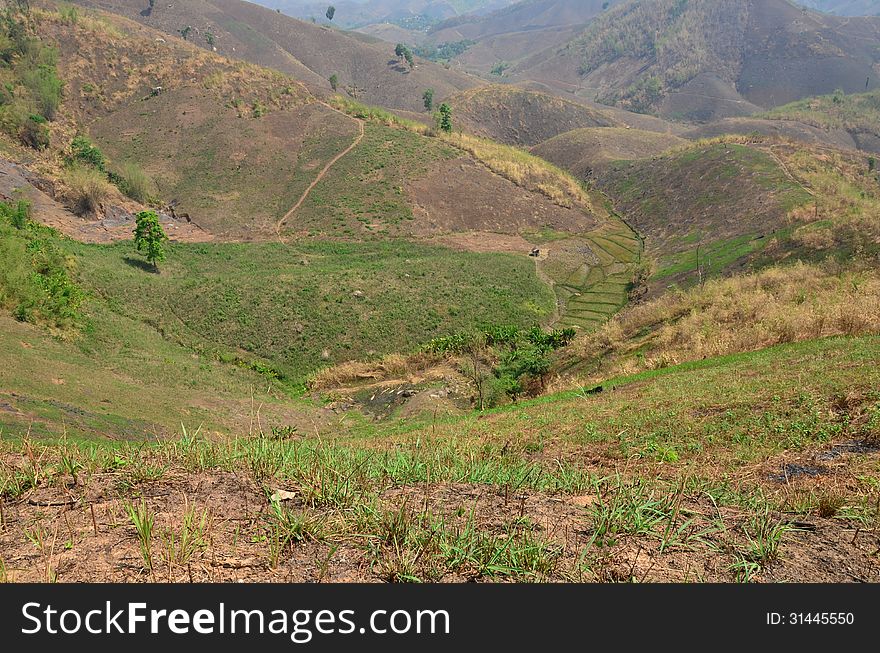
(87,189)
(746,313)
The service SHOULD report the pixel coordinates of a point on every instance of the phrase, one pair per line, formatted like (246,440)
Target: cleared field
(516,116)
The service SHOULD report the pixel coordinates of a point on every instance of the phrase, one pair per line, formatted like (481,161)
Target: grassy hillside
(717,201)
(858,115)
(143,352)
(759,201)
(230,144)
(755,468)
(588,253)
(317,289)
(518,117)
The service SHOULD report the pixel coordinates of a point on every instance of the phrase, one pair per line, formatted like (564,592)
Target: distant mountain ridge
(359,13)
(845,7)
(710,59)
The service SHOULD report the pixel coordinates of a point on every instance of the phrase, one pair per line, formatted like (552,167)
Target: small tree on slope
(149,237)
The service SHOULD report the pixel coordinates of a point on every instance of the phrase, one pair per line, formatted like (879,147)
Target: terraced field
(591,273)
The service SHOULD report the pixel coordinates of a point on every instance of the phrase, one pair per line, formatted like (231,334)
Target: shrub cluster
(35,282)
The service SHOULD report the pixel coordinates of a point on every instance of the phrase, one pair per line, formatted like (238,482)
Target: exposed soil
(86,535)
(516,116)
(484,242)
(115,221)
(367,69)
(498,205)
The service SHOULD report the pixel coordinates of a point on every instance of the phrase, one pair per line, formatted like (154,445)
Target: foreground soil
(224,526)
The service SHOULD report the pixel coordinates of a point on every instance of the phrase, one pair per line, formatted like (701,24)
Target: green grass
(715,257)
(858,112)
(651,461)
(592,273)
(732,410)
(35,279)
(193,343)
(363,195)
(303,307)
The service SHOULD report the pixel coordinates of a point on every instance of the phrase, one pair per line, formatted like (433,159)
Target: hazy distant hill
(357,13)
(845,7)
(709,59)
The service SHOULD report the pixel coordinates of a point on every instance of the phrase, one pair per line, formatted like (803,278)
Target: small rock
(282,495)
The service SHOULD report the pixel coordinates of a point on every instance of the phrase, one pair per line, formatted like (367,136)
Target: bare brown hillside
(519,117)
(365,67)
(584,151)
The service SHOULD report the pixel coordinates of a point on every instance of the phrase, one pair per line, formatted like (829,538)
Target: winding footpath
(321,174)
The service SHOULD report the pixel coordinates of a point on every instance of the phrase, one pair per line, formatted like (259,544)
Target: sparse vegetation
(32,90)
(88,188)
(694,402)
(134,182)
(854,113)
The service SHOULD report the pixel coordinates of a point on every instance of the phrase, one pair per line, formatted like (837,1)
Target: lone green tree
(444,118)
(150,238)
(334,81)
(331,11)
(403,52)
(428,97)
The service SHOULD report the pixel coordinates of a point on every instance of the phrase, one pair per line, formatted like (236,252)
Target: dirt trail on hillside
(788,172)
(321,174)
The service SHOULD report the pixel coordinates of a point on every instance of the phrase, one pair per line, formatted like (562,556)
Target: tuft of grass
(179,547)
(764,535)
(143,519)
(135,183)
(286,528)
(88,188)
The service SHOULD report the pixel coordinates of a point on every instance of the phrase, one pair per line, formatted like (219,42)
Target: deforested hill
(708,59)
(365,68)
(500,39)
(521,117)
(858,116)
(246,153)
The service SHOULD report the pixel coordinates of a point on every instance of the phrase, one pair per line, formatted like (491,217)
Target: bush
(35,283)
(82,151)
(44,85)
(88,188)
(34,134)
(18,214)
